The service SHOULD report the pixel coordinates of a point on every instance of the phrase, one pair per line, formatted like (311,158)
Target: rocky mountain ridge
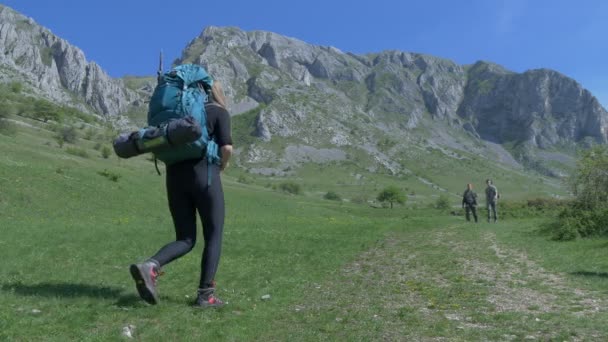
(298,103)
(323,97)
(55,69)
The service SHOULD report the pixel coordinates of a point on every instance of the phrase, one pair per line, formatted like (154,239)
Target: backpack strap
(156,165)
(212,155)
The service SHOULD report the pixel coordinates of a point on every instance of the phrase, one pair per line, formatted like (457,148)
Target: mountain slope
(302,106)
(55,69)
(389,104)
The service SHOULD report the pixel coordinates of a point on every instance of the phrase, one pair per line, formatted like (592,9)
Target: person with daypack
(492,197)
(192,180)
(469,202)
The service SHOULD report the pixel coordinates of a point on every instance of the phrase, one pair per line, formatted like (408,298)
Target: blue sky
(124,37)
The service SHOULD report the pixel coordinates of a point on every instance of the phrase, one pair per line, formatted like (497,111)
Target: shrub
(290,188)
(77,152)
(89,134)
(8,109)
(16,87)
(97,146)
(106,152)
(114,177)
(67,134)
(244,180)
(577,221)
(59,140)
(547,204)
(332,196)
(44,110)
(443,202)
(7,128)
(587,215)
(565,230)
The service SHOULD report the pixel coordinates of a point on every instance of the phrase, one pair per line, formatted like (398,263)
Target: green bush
(587,215)
(8,109)
(89,134)
(106,152)
(547,204)
(332,196)
(16,87)
(443,202)
(538,207)
(290,188)
(244,180)
(44,110)
(573,223)
(77,152)
(566,230)
(114,177)
(68,134)
(59,140)
(8,128)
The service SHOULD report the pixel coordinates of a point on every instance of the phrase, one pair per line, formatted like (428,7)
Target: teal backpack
(180,93)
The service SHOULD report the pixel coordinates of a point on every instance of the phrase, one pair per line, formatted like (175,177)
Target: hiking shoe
(145,275)
(206,299)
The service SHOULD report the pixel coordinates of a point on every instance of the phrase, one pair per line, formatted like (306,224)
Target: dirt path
(452,284)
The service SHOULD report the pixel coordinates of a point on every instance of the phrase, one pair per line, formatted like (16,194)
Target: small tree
(589,182)
(391,194)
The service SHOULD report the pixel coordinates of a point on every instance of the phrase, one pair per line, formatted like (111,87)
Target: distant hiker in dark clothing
(469,202)
(194,185)
(492,197)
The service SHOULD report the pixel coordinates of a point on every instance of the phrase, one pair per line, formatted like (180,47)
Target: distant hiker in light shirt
(189,190)
(469,202)
(492,197)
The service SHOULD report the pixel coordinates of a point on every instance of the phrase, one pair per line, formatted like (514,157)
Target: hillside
(365,119)
(326,104)
(73,222)
(52,68)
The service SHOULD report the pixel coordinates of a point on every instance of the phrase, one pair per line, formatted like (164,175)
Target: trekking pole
(160,66)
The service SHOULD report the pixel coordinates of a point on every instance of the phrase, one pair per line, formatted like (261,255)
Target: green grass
(334,270)
(69,234)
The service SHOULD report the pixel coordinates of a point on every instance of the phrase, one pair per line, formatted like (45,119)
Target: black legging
(470,208)
(187,191)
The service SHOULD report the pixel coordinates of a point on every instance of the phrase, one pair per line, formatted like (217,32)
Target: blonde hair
(217,94)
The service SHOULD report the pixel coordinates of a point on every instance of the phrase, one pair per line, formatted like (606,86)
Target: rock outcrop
(302,85)
(55,68)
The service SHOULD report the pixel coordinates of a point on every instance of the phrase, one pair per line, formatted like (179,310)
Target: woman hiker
(189,191)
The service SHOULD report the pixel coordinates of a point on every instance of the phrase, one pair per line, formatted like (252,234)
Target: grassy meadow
(72,222)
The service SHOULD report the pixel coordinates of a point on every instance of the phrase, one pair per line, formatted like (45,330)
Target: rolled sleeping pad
(175,132)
